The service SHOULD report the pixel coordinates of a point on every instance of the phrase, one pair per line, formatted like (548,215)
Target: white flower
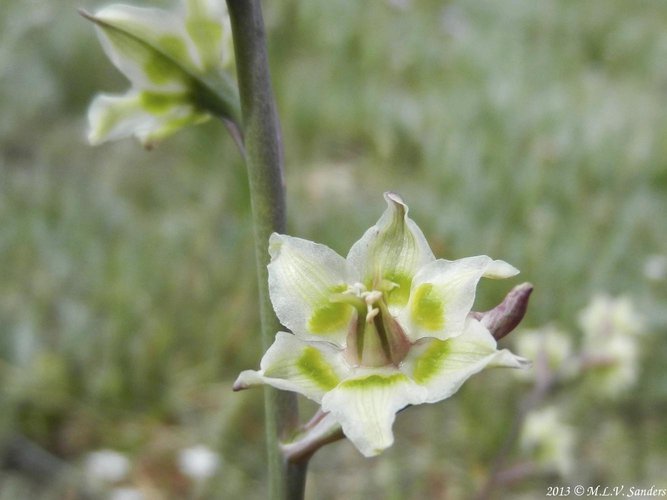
(549,440)
(176,63)
(655,267)
(610,327)
(126,494)
(548,342)
(107,465)
(385,328)
(198,462)
(607,317)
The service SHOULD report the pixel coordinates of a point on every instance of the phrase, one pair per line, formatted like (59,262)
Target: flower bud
(505,317)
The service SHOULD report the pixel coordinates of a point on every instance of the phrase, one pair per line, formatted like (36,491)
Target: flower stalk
(320,431)
(264,162)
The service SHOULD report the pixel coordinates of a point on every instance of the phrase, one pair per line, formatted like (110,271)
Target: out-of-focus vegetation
(531,130)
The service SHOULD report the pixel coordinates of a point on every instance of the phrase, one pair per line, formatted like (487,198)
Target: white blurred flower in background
(454,22)
(330,182)
(549,441)
(400,4)
(107,466)
(549,344)
(606,317)
(655,267)
(126,494)
(610,329)
(198,462)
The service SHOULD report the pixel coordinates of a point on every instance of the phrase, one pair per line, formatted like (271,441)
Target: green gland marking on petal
(431,361)
(330,317)
(204,32)
(399,295)
(160,70)
(375,381)
(207,35)
(172,125)
(158,103)
(313,366)
(174,46)
(158,67)
(428,308)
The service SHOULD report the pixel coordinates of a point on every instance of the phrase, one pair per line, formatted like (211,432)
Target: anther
(372,297)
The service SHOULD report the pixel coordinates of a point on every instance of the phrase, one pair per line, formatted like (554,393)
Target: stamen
(372,312)
(356,289)
(372,297)
(347,298)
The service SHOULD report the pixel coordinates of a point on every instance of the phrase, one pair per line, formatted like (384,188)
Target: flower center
(375,338)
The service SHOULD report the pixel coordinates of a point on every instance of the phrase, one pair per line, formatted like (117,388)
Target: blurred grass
(533,131)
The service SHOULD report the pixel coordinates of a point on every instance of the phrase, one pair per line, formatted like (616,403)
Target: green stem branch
(261,132)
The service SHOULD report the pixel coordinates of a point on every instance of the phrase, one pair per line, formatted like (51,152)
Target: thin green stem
(295,482)
(263,147)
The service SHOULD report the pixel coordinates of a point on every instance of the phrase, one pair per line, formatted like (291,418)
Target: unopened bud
(505,317)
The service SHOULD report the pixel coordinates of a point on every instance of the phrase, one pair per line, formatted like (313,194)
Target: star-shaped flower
(176,62)
(387,327)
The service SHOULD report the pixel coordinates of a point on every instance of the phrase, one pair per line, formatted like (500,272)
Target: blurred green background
(530,130)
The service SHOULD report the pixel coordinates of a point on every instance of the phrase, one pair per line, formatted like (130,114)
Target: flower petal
(392,250)
(290,364)
(150,116)
(147,45)
(207,23)
(366,405)
(303,276)
(442,366)
(442,295)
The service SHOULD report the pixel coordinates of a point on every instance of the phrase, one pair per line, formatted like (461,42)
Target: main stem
(264,161)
